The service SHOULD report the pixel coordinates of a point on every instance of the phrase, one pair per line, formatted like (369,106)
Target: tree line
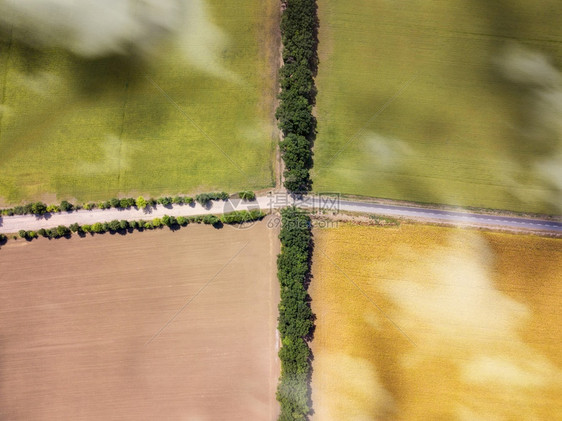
(299,27)
(236,217)
(295,316)
(40,208)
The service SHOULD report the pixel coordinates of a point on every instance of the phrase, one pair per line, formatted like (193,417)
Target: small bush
(38,208)
(113,225)
(141,202)
(42,232)
(62,230)
(165,201)
(97,228)
(247,195)
(205,198)
(66,206)
(182,221)
(53,209)
(202,199)
(211,219)
(22,233)
(114,203)
(74,227)
(169,221)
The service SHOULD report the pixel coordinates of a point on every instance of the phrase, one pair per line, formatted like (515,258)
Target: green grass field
(434,102)
(88,130)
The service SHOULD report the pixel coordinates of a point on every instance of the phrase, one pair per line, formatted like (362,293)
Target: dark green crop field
(439,101)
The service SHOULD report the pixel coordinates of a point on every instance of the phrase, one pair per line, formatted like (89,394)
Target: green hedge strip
(236,217)
(294,113)
(40,208)
(295,316)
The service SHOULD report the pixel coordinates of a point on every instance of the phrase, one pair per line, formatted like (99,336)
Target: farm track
(12,224)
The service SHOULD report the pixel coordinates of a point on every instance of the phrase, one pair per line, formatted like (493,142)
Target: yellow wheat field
(430,323)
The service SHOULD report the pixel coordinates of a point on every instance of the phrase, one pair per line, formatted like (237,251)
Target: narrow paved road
(454,217)
(12,224)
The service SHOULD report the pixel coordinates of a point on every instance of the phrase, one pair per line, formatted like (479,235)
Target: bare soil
(77,317)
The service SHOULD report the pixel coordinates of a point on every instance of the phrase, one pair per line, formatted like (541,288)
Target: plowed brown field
(77,318)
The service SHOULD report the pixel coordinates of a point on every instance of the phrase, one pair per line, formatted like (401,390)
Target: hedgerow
(172,222)
(295,316)
(205,198)
(40,208)
(299,26)
(247,195)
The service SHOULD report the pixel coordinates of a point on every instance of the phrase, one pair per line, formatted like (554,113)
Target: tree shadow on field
(310,336)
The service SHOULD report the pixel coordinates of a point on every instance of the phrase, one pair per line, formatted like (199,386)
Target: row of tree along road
(124,226)
(299,26)
(40,208)
(299,36)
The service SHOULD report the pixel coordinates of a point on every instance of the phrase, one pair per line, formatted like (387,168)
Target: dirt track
(507,221)
(76,315)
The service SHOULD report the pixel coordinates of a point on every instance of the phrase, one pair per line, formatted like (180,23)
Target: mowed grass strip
(422,322)
(414,104)
(197,116)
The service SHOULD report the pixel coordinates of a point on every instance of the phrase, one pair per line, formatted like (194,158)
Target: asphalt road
(453,216)
(12,224)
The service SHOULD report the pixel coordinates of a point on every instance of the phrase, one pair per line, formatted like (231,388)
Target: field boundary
(12,224)
(444,206)
(296,321)
(299,35)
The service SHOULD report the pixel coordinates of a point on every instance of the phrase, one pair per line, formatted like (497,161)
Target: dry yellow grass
(426,323)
